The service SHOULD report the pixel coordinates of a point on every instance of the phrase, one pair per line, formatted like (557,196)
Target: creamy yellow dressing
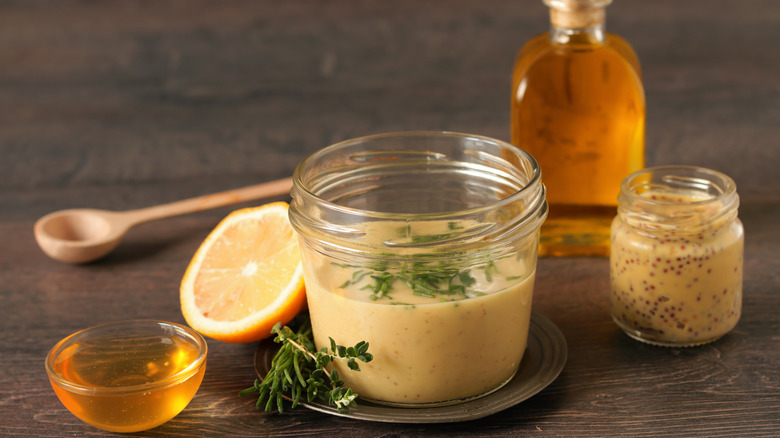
(426,350)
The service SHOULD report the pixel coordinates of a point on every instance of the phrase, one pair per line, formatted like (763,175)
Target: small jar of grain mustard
(423,244)
(676,256)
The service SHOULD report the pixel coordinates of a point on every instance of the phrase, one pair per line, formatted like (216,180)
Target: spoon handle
(207,202)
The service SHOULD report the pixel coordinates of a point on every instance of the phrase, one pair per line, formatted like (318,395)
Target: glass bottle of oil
(578,107)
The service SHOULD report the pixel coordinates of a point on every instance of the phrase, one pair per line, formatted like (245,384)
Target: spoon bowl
(82,235)
(79,235)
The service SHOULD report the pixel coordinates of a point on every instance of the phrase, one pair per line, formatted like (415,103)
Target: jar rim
(533,184)
(517,210)
(696,198)
(692,178)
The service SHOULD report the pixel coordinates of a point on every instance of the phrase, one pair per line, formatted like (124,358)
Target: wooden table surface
(122,105)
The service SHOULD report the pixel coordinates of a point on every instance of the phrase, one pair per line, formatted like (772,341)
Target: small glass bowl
(128,376)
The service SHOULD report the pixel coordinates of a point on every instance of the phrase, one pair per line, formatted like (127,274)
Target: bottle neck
(592,35)
(577,22)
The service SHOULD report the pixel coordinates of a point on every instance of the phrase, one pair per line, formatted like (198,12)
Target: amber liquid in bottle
(578,107)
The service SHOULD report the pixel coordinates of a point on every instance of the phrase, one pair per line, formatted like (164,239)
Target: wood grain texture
(123,105)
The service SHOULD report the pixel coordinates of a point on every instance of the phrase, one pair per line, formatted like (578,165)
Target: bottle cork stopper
(576,14)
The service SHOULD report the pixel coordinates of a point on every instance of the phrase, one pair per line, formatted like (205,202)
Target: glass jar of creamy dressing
(676,256)
(423,244)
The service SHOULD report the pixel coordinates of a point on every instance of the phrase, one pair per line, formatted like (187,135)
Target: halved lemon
(245,277)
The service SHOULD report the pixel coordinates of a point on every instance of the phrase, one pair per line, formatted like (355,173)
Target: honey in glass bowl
(128,376)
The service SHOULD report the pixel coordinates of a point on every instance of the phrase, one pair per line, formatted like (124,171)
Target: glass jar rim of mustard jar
(713,198)
(676,256)
(424,245)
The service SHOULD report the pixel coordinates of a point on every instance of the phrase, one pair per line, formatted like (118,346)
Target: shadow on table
(180,239)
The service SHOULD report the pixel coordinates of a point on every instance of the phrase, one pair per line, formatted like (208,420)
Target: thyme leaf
(298,369)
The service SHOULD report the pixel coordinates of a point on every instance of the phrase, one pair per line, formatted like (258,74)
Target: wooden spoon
(82,235)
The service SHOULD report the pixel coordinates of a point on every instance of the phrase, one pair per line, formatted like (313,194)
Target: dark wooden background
(125,104)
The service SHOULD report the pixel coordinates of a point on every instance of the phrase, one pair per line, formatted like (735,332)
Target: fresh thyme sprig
(297,368)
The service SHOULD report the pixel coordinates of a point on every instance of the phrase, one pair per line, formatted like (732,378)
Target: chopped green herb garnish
(490,269)
(425,283)
(423,277)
